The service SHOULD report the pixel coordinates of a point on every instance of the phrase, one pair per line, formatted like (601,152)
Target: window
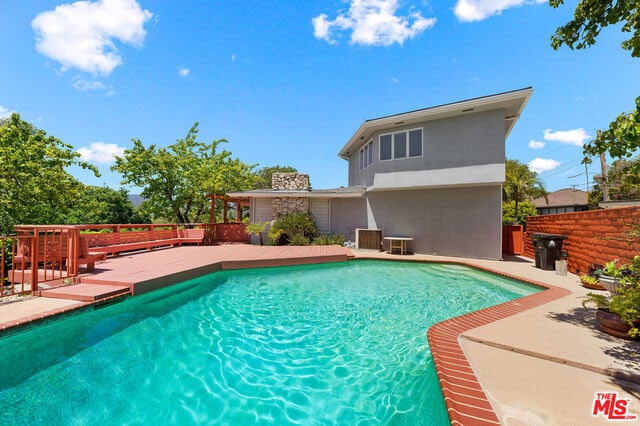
(385,147)
(401,145)
(365,156)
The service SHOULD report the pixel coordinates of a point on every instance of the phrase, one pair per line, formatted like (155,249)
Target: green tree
(591,16)
(622,138)
(521,184)
(35,187)
(526,208)
(105,205)
(624,179)
(264,174)
(177,179)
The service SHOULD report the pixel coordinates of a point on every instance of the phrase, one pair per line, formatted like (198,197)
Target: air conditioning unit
(369,239)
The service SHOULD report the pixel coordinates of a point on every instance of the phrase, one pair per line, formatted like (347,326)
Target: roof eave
(486,103)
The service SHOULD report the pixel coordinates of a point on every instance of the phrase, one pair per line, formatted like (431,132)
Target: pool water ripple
(319,344)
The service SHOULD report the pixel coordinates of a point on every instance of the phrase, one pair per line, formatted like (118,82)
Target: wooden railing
(226,233)
(38,254)
(52,254)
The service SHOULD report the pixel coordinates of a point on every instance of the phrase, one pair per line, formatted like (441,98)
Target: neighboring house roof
(563,198)
(511,102)
(343,192)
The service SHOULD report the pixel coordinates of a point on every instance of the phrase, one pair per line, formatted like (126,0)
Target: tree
(105,205)
(622,138)
(35,187)
(591,16)
(624,179)
(177,179)
(521,184)
(526,208)
(264,175)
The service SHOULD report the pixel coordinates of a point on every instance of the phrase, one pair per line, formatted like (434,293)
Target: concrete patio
(541,366)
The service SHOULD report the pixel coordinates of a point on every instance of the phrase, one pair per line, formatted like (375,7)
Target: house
(434,175)
(566,200)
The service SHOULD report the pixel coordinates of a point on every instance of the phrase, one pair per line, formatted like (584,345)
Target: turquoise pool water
(319,344)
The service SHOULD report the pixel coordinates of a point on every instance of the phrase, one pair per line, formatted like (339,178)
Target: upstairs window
(365,155)
(398,145)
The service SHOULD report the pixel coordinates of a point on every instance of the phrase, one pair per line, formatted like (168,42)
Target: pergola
(226,200)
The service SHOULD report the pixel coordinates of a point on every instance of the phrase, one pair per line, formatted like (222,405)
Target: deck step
(85,292)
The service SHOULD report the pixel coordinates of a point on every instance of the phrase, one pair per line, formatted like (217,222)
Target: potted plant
(619,314)
(590,280)
(611,275)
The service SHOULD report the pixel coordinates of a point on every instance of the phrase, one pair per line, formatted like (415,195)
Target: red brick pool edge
(466,401)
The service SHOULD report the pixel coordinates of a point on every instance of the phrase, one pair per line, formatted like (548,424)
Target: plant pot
(596,286)
(612,324)
(609,283)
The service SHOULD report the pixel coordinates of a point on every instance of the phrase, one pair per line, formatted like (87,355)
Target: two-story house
(433,174)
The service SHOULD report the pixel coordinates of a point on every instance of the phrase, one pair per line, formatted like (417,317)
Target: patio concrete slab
(526,390)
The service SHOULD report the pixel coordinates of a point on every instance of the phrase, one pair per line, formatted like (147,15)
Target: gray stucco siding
(469,140)
(347,214)
(462,222)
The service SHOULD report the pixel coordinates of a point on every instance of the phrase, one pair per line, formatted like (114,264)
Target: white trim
(363,155)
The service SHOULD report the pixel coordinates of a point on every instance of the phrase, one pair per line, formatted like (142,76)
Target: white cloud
(101,153)
(372,23)
(81,35)
(395,80)
(4,112)
(570,137)
(233,57)
(183,72)
(536,144)
(477,10)
(540,165)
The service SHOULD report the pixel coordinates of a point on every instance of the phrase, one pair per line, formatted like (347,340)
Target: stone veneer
(282,206)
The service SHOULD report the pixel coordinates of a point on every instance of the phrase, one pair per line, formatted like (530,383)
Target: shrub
(298,240)
(299,224)
(327,240)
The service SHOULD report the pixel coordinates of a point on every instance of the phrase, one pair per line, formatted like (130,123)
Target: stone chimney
(290,181)
(282,206)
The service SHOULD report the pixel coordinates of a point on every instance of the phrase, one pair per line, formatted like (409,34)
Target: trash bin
(547,248)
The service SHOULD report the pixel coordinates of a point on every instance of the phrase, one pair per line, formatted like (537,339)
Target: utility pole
(605,179)
(603,166)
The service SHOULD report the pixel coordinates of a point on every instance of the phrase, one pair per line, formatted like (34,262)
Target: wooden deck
(146,271)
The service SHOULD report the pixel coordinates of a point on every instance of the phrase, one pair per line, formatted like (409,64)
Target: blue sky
(288,82)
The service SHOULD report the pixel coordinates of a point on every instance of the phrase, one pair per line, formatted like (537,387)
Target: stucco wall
(473,139)
(464,222)
(347,214)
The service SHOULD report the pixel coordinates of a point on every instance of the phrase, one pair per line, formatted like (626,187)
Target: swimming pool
(323,344)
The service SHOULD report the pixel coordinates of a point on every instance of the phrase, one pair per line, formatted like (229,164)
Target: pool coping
(464,397)
(19,325)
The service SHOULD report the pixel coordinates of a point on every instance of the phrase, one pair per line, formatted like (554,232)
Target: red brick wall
(595,236)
